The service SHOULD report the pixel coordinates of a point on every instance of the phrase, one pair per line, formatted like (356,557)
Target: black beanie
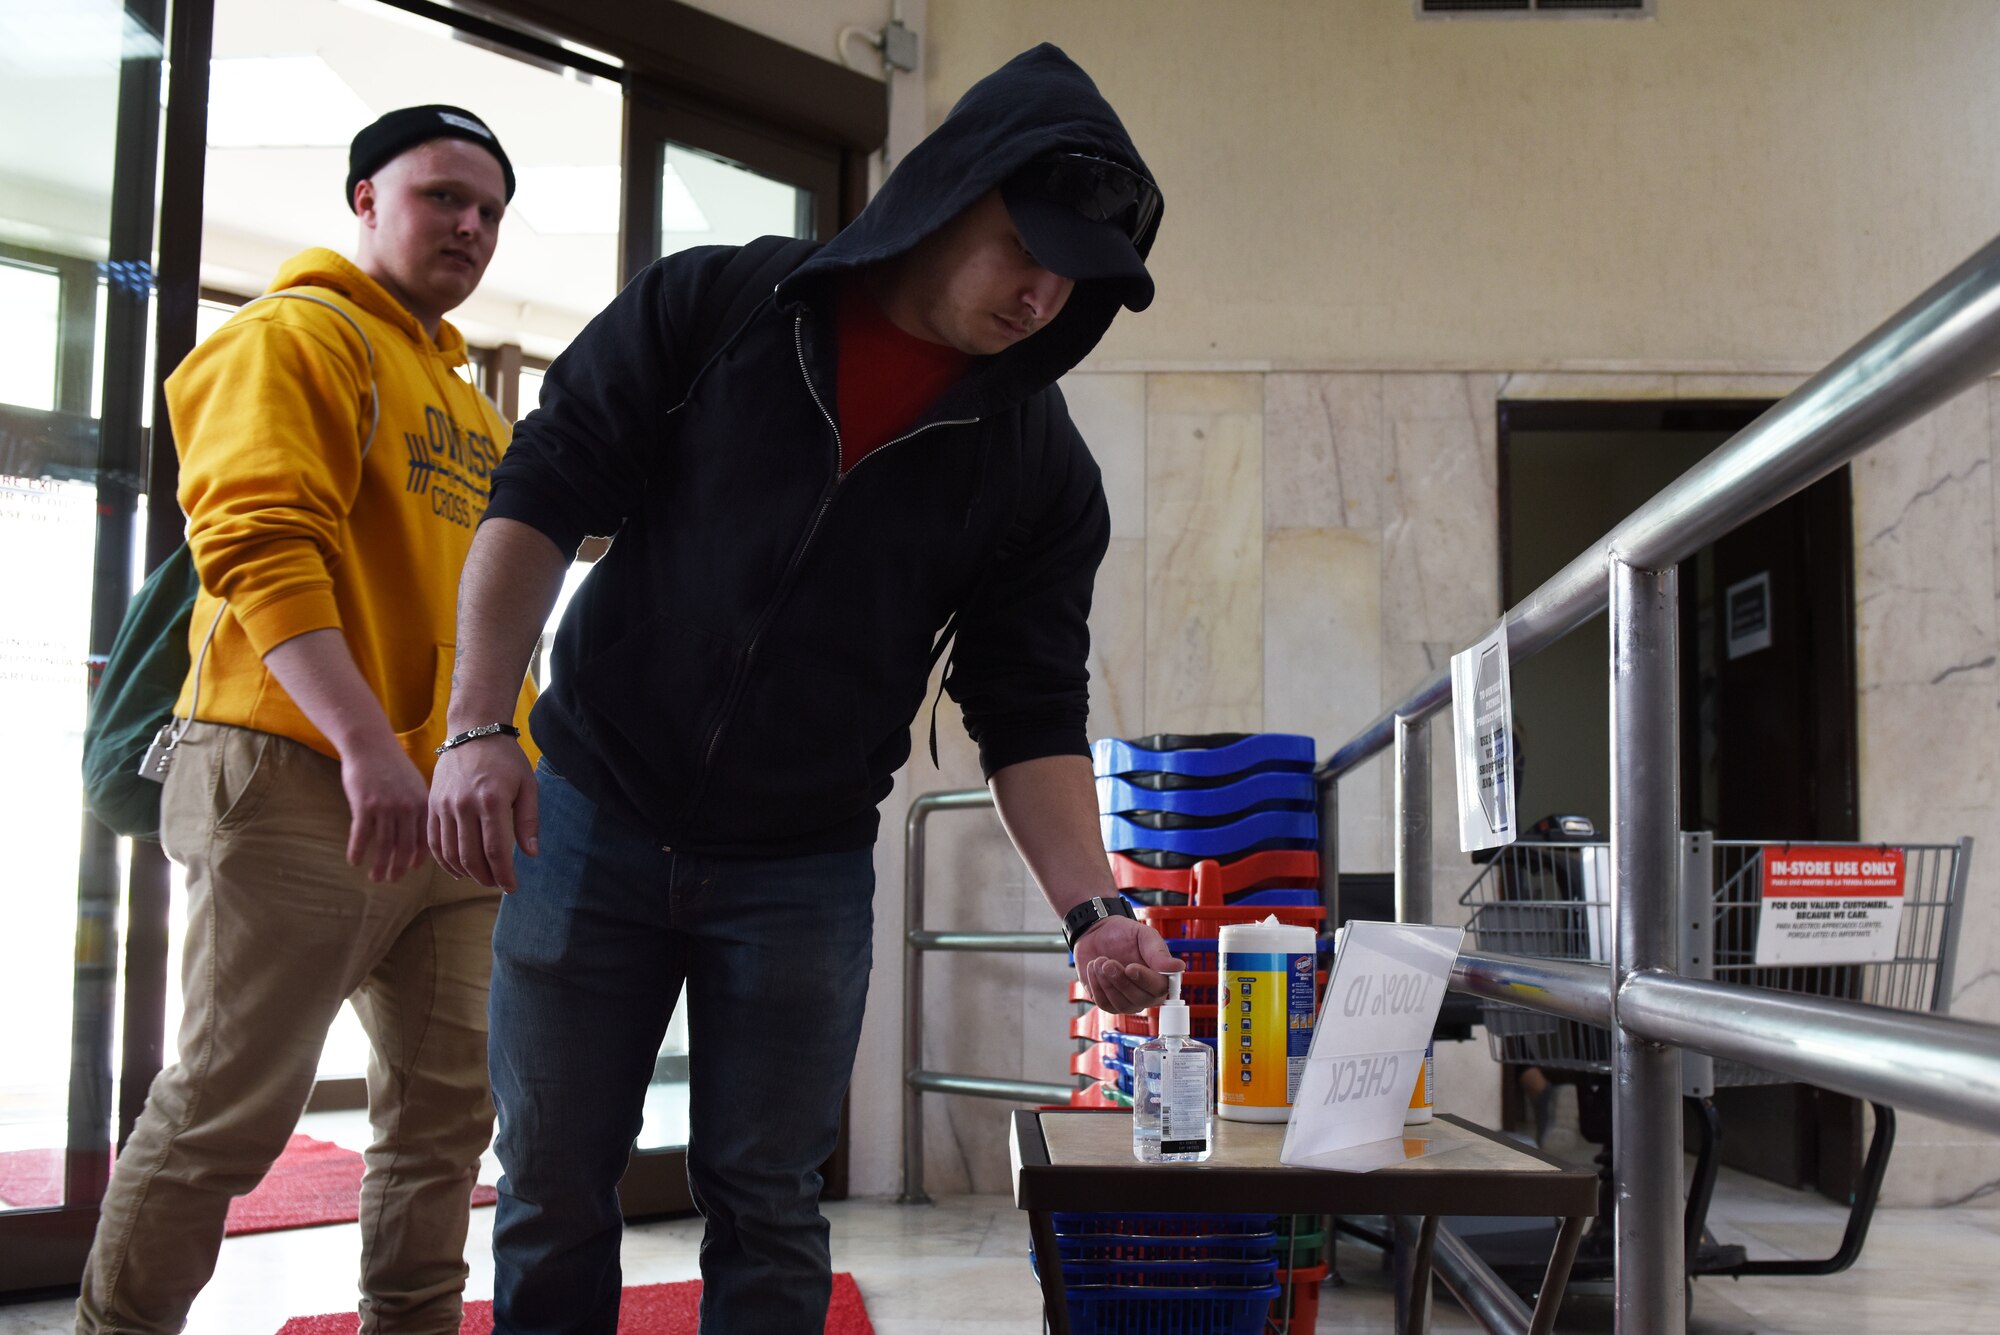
(399,131)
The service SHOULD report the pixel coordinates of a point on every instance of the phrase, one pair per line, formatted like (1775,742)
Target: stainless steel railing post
(1413,819)
(1645,867)
(912,1192)
(1329,851)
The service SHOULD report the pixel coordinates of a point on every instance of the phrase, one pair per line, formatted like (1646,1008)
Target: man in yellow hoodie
(333,466)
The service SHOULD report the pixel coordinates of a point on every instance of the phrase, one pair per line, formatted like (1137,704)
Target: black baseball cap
(1083,217)
(397,132)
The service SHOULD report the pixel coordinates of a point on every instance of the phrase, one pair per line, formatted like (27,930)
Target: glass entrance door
(697,179)
(76,259)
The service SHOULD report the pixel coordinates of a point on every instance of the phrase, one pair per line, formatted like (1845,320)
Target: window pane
(60,72)
(49,527)
(210,316)
(705,201)
(30,307)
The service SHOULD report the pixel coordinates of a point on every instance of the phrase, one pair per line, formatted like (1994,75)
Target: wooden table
(1081,1159)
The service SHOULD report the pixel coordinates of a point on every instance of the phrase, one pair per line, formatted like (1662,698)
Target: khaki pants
(281,931)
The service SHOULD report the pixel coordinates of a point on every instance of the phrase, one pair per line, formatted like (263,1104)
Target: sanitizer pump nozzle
(1173,1011)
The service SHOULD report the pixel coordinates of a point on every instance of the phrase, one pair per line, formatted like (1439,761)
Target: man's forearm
(1049,807)
(318,672)
(509,584)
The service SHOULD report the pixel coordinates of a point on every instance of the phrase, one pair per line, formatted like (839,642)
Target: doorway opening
(1767,682)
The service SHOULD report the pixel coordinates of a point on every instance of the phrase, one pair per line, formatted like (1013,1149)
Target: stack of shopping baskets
(1202,831)
(1191,1274)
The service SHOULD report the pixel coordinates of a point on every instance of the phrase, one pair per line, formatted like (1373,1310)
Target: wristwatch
(1091,912)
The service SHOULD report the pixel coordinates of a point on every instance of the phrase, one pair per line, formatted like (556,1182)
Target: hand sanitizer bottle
(1173,1083)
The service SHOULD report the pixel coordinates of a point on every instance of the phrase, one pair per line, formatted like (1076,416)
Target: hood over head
(1039,102)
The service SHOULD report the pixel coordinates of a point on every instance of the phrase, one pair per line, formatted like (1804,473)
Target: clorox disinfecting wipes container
(1263,1018)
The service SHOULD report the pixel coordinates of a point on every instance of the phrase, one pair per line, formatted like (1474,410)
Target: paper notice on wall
(1482,713)
(1830,905)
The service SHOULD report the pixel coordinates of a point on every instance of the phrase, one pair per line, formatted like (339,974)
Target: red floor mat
(654,1309)
(314,1182)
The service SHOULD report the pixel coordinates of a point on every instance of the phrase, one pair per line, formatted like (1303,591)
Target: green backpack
(135,698)
(131,732)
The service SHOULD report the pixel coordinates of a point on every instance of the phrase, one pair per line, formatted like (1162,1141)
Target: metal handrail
(1937,346)
(918,1082)
(1926,1063)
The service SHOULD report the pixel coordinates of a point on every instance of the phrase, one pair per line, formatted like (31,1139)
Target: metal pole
(1413,820)
(913,1004)
(1483,1294)
(913,1192)
(1554,987)
(1954,923)
(1003,943)
(989,1087)
(1645,863)
(1329,851)
(1931,1064)
(1410,1263)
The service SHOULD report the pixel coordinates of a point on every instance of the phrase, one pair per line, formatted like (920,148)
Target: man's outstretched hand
(1123,965)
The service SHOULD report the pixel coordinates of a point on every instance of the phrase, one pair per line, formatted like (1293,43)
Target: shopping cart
(1553,901)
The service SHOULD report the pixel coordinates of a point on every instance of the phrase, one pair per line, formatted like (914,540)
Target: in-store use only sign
(1830,905)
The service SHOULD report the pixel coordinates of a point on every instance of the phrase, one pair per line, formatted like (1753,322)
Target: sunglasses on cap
(1097,188)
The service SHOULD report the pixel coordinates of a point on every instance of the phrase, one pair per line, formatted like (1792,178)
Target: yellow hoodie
(297,532)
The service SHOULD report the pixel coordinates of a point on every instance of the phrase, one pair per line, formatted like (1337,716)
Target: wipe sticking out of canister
(1264,1018)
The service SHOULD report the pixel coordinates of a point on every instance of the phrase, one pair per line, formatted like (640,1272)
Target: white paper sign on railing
(1482,725)
(1380,1006)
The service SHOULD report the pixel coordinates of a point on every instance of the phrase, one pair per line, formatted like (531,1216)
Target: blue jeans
(588,956)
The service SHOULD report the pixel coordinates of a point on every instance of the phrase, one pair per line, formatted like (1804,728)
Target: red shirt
(887,377)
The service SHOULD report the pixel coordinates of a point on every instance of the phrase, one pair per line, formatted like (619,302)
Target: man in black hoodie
(818,465)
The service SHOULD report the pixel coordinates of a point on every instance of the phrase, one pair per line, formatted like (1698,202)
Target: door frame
(721,88)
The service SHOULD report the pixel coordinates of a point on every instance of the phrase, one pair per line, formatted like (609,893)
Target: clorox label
(1264,1024)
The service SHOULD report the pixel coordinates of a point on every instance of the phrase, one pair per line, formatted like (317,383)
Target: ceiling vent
(1535,9)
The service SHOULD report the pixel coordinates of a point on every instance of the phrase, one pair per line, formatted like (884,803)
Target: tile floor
(959,1267)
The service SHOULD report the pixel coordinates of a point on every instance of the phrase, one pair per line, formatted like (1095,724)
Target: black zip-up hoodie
(739,674)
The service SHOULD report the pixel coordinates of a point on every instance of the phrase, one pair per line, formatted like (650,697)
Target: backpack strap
(367,346)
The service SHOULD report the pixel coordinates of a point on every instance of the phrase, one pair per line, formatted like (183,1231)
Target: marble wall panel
(1204,553)
(1735,386)
(1440,529)
(1585,385)
(1322,631)
(1923,513)
(1930,718)
(1118,642)
(1327,459)
(1110,411)
(1323,658)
